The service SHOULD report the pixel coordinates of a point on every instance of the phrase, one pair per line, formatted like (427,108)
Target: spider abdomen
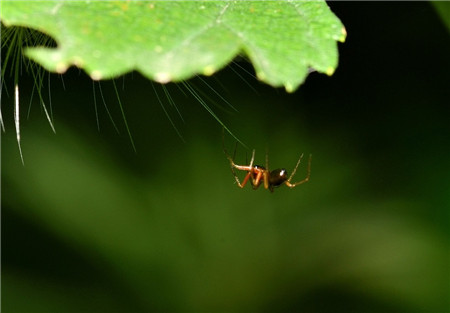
(278,177)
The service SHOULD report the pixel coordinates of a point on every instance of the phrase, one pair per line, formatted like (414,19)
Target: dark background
(90,225)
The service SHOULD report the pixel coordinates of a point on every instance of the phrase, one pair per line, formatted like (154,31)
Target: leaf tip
(209,70)
(343,35)
(261,75)
(330,71)
(61,67)
(162,78)
(289,87)
(96,75)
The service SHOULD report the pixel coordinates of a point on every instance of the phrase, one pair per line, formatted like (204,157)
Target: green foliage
(175,40)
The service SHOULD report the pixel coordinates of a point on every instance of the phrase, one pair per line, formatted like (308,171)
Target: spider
(262,175)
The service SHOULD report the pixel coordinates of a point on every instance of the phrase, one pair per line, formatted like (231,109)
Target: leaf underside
(175,40)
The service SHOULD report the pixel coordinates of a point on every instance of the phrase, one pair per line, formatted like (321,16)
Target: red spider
(259,174)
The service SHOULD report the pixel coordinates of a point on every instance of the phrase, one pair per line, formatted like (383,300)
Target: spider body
(258,174)
(275,178)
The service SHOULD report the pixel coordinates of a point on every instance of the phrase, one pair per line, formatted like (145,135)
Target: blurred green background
(88,225)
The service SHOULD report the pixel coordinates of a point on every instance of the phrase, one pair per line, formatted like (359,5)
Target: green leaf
(175,40)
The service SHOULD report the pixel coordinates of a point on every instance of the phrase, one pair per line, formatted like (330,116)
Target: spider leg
(266,180)
(267,171)
(306,179)
(231,159)
(295,168)
(253,173)
(242,185)
(248,168)
(256,181)
(253,158)
(234,166)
